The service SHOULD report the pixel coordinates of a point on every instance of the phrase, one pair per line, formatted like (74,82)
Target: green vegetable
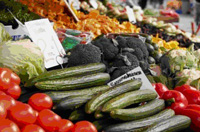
(71,103)
(129,98)
(72,83)
(144,123)
(4,36)
(71,71)
(78,115)
(58,95)
(105,96)
(173,124)
(142,111)
(25,58)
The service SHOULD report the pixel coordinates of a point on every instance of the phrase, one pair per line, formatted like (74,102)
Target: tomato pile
(36,116)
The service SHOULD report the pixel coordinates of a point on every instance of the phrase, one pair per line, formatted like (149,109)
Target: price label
(93,4)
(75,3)
(131,15)
(43,35)
(136,73)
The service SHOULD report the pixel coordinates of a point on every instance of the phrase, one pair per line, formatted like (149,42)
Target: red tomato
(84,126)
(32,128)
(65,125)
(48,120)
(14,90)
(7,101)
(2,93)
(15,78)
(3,112)
(40,101)
(22,114)
(5,78)
(8,126)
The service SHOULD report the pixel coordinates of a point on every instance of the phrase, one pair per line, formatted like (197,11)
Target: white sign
(136,73)
(131,15)
(42,34)
(76,4)
(94,3)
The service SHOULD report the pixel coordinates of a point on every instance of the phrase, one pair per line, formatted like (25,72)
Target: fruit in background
(32,128)
(65,125)
(7,101)
(48,120)
(5,78)
(2,93)
(40,101)
(84,126)
(14,90)
(3,112)
(22,114)
(8,126)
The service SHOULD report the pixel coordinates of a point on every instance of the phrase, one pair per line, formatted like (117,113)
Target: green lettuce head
(23,57)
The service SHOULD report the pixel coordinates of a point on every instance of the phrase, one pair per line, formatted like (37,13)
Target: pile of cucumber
(81,93)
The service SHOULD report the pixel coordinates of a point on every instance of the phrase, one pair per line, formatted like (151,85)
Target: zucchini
(98,114)
(133,126)
(71,71)
(142,111)
(58,95)
(77,115)
(173,124)
(103,97)
(74,82)
(129,98)
(71,103)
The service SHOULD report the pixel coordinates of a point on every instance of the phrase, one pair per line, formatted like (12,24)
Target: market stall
(96,66)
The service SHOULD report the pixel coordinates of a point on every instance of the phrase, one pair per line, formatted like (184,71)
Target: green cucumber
(58,95)
(134,126)
(71,103)
(173,124)
(98,114)
(103,123)
(129,98)
(142,111)
(105,96)
(71,71)
(77,115)
(73,83)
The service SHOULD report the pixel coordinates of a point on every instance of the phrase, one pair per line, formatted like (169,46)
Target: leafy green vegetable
(23,57)
(4,36)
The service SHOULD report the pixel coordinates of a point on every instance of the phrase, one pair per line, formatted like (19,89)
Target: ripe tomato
(32,128)
(40,101)
(2,93)
(7,101)
(48,120)
(14,90)
(65,125)
(3,112)
(8,126)
(5,78)
(22,114)
(84,126)
(15,78)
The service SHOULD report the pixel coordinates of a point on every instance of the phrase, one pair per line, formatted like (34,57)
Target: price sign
(93,4)
(43,35)
(76,4)
(136,73)
(131,15)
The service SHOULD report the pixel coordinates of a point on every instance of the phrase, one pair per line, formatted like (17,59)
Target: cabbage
(4,36)
(23,57)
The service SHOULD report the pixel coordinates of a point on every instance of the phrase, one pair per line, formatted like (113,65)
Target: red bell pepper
(180,100)
(192,94)
(160,88)
(194,107)
(193,114)
(194,128)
